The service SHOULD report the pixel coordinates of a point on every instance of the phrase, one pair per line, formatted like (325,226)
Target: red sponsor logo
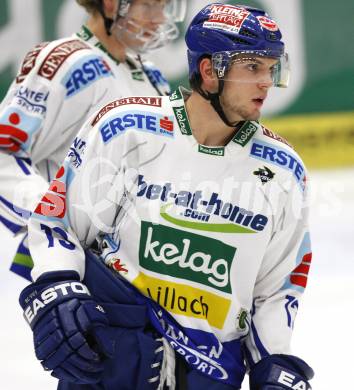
(299,275)
(146,101)
(53,203)
(57,57)
(166,124)
(29,62)
(267,23)
(227,15)
(11,137)
(277,137)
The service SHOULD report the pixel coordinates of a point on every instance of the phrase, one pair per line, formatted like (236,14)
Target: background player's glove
(69,327)
(278,372)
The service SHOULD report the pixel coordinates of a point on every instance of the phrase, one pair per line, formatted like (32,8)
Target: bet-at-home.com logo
(183,255)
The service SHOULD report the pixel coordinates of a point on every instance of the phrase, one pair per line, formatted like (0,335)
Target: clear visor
(259,67)
(157,11)
(150,24)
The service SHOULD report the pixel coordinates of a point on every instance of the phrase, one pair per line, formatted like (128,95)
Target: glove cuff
(280,372)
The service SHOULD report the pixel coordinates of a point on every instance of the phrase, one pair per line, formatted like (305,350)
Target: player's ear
(209,78)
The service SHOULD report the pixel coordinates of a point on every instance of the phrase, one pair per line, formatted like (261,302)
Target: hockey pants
(137,344)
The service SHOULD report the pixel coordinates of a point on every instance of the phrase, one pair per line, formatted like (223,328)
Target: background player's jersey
(215,236)
(58,86)
(62,82)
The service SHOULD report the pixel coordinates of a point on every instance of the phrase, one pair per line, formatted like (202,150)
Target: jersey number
(64,241)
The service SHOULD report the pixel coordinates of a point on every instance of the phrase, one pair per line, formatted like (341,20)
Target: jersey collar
(87,35)
(244,133)
(177,99)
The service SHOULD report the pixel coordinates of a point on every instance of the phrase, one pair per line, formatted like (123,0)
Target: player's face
(143,19)
(246,88)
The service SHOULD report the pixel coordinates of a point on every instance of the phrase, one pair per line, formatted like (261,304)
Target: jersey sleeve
(32,100)
(50,98)
(81,202)
(281,280)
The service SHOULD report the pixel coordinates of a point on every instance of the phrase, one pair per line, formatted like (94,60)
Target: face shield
(144,25)
(252,67)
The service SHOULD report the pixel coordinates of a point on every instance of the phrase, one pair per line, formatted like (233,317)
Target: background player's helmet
(164,14)
(223,32)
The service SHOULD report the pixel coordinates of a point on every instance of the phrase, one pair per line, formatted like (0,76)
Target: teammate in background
(60,83)
(202,222)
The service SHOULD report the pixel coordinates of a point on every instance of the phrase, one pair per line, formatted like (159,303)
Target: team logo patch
(29,62)
(280,157)
(85,73)
(264,174)
(242,320)
(146,101)
(138,120)
(267,23)
(224,17)
(57,57)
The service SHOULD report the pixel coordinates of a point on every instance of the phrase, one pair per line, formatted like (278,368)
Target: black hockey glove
(69,327)
(279,372)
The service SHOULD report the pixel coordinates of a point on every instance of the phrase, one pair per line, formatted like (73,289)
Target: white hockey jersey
(58,86)
(216,236)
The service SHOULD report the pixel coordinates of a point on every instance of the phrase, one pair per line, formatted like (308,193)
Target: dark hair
(91,6)
(195,81)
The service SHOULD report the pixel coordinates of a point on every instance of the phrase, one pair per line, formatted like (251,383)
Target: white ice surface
(323,333)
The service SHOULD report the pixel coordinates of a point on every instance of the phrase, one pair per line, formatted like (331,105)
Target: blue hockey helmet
(222,31)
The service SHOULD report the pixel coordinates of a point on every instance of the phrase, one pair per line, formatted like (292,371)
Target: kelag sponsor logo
(200,207)
(185,300)
(176,95)
(138,120)
(85,73)
(32,101)
(281,157)
(214,151)
(182,119)
(187,256)
(245,133)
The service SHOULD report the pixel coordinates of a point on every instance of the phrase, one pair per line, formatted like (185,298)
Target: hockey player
(201,219)
(60,83)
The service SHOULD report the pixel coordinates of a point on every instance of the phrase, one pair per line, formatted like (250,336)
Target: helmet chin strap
(107,21)
(123,8)
(214,99)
